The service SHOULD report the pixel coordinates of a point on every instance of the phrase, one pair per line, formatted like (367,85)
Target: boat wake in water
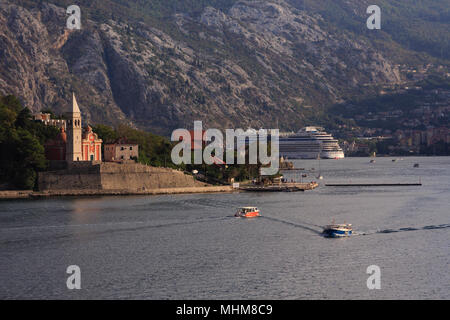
(310,227)
(303,226)
(93,230)
(431,227)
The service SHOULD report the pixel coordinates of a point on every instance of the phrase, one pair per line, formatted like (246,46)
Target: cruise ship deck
(310,143)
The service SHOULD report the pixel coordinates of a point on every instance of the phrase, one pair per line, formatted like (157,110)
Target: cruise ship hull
(313,155)
(310,143)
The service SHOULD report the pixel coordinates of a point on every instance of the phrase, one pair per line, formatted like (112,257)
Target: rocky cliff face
(260,64)
(42,62)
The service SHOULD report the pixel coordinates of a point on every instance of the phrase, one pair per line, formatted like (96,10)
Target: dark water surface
(191,246)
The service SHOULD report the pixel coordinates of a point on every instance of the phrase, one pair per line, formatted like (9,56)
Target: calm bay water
(191,246)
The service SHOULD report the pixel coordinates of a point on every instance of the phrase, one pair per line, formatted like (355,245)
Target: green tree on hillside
(21,144)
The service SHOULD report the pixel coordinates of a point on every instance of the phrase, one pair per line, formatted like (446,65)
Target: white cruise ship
(310,143)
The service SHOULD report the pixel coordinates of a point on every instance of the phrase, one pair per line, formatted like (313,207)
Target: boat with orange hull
(247,212)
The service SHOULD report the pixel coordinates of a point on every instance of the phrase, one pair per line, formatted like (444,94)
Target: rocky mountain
(229,63)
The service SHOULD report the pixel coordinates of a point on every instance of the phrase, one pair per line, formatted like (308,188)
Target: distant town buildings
(352,148)
(403,141)
(121,150)
(414,126)
(47,120)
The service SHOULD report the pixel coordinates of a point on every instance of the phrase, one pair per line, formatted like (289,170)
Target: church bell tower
(74,131)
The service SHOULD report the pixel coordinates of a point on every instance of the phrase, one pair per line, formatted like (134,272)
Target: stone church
(74,143)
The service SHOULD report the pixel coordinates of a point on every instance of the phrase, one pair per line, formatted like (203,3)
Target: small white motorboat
(337,230)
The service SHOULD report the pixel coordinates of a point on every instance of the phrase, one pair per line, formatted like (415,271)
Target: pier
(283,187)
(372,184)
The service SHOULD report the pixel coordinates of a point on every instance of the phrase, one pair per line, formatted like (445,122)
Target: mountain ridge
(238,64)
